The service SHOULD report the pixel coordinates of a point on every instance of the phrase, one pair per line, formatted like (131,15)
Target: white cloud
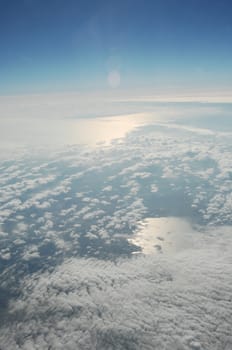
(181,302)
(31,252)
(178,302)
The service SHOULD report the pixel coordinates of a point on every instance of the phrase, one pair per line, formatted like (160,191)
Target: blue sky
(67,45)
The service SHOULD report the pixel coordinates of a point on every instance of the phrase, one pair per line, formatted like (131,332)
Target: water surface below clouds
(35,132)
(32,130)
(164,235)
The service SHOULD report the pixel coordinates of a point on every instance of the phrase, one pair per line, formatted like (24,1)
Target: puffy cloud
(76,201)
(149,302)
(31,253)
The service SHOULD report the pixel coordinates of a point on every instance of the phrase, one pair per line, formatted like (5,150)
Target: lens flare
(114,79)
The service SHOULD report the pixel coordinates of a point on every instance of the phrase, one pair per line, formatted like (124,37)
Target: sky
(67,45)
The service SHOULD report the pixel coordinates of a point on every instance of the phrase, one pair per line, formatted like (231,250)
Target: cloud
(110,189)
(152,302)
(77,201)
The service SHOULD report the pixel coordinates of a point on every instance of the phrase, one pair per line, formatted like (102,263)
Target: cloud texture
(153,302)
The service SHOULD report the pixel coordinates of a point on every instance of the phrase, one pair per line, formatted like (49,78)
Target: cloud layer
(177,302)
(65,221)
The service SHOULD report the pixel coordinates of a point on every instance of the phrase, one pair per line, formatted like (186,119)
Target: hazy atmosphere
(115,175)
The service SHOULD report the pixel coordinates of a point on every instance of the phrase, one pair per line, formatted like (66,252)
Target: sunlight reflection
(165,234)
(35,132)
(103,130)
(114,79)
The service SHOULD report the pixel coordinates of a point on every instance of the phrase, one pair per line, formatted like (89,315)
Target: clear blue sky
(65,45)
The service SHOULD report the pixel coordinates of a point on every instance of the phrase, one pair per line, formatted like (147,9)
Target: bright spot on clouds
(114,79)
